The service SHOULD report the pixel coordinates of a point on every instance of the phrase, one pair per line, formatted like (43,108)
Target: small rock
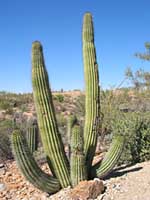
(107,198)
(2,171)
(101,197)
(2,187)
(43,197)
(87,190)
(1,165)
(8,174)
(116,186)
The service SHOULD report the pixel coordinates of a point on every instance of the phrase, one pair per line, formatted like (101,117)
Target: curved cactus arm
(77,161)
(51,138)
(92,91)
(29,167)
(104,167)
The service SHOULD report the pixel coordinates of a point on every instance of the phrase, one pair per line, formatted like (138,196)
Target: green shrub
(5,145)
(59,98)
(137,131)
(4,105)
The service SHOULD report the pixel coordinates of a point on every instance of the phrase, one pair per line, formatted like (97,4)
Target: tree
(140,79)
(135,78)
(146,55)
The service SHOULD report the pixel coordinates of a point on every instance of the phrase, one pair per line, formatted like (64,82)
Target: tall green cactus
(92,101)
(32,137)
(82,146)
(50,135)
(77,161)
(92,106)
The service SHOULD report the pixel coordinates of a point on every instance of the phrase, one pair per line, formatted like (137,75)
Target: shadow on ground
(117,173)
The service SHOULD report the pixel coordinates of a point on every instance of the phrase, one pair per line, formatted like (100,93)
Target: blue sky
(121,28)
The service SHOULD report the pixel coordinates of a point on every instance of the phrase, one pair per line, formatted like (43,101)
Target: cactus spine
(50,135)
(32,137)
(92,102)
(28,165)
(78,165)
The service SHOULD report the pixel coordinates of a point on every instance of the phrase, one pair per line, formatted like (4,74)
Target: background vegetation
(124,110)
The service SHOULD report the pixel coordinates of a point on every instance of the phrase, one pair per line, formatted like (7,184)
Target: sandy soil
(125,183)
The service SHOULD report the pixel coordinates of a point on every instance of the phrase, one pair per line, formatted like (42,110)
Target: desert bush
(137,131)
(14,100)
(59,98)
(133,122)
(4,105)
(5,145)
(140,144)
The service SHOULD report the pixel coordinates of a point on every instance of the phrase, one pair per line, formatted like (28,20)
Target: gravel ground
(129,183)
(126,183)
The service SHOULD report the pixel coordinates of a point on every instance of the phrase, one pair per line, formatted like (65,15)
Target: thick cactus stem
(70,123)
(50,135)
(111,158)
(92,101)
(78,165)
(29,167)
(32,137)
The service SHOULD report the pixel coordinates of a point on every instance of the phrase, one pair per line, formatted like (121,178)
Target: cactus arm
(104,167)
(32,134)
(29,167)
(92,102)
(50,135)
(70,123)
(77,161)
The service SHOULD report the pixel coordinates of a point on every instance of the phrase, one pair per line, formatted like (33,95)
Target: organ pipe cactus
(71,121)
(51,139)
(82,146)
(32,137)
(92,92)
(77,161)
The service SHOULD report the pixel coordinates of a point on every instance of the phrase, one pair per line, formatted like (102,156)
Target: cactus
(77,161)
(50,135)
(103,168)
(28,165)
(32,137)
(70,123)
(83,145)
(92,101)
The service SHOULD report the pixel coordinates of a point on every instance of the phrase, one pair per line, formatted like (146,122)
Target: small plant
(83,143)
(60,98)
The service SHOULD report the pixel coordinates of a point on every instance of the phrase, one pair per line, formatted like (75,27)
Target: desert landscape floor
(124,183)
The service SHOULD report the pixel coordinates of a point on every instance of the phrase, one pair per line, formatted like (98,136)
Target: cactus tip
(36,45)
(88,13)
